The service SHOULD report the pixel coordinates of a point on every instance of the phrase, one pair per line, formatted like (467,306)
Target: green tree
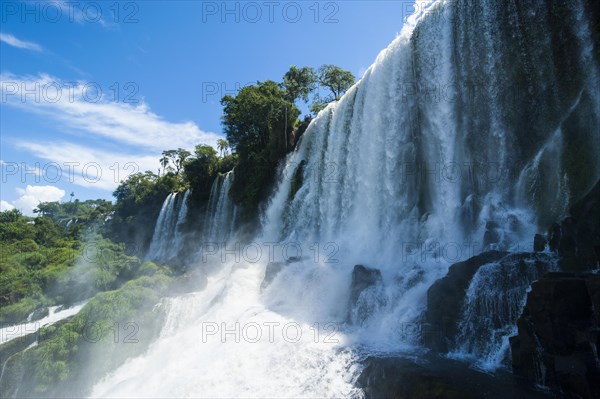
(201,170)
(176,158)
(139,200)
(15,227)
(318,105)
(135,188)
(47,232)
(48,209)
(227,163)
(258,123)
(335,79)
(164,162)
(222,145)
(255,119)
(12,215)
(168,160)
(181,156)
(298,83)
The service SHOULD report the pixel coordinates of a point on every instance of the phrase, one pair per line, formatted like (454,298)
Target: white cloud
(13,41)
(73,106)
(5,206)
(87,166)
(31,196)
(74,12)
(128,128)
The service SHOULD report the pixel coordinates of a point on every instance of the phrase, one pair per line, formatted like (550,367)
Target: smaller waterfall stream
(168,237)
(55,314)
(493,302)
(221,212)
(178,236)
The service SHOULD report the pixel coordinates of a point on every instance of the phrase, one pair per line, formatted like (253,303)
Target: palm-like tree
(222,145)
(182,155)
(164,162)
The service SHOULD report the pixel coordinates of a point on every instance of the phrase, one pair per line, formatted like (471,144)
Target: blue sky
(92,91)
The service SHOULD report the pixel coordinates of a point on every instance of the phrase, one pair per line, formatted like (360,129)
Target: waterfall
(224,342)
(55,314)
(168,238)
(178,236)
(221,211)
(494,301)
(162,229)
(445,147)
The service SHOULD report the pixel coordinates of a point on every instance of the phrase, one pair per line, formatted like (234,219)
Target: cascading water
(493,302)
(55,314)
(444,141)
(168,238)
(162,229)
(221,212)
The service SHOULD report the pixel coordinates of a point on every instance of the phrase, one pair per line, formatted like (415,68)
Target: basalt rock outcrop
(433,377)
(559,335)
(445,299)
(576,238)
(364,293)
(274,268)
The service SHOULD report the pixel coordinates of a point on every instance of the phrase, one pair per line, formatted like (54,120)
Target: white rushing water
(221,212)
(493,302)
(269,352)
(55,314)
(168,238)
(434,146)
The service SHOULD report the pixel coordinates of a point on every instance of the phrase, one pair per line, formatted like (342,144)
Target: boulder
(39,313)
(559,335)
(362,278)
(445,298)
(576,238)
(361,306)
(507,279)
(492,235)
(432,377)
(554,236)
(539,243)
(273,269)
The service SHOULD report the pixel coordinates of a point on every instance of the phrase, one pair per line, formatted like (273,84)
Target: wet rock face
(365,294)
(479,298)
(492,235)
(539,243)
(446,297)
(558,338)
(272,270)
(576,238)
(400,378)
(363,278)
(433,377)
(40,313)
(559,335)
